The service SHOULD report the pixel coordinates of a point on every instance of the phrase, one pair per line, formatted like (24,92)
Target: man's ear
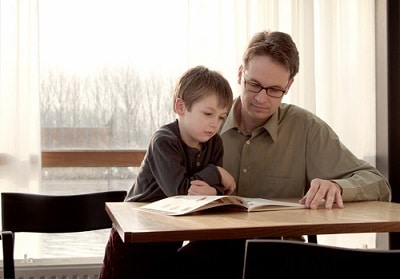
(289,84)
(240,73)
(179,106)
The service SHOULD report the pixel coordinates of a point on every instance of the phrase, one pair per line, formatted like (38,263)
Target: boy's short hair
(199,82)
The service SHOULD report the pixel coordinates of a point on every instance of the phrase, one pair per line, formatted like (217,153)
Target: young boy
(184,157)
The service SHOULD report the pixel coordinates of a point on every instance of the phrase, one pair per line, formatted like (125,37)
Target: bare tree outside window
(112,110)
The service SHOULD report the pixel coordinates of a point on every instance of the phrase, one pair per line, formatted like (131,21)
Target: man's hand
(323,190)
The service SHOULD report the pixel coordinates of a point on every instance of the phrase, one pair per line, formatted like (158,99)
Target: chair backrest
(285,259)
(38,213)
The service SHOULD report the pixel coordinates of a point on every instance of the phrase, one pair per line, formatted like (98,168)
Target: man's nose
(261,96)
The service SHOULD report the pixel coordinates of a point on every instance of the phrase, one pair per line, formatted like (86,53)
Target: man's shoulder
(300,117)
(293,109)
(288,110)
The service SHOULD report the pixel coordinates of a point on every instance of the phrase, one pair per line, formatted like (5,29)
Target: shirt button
(244,170)
(248,142)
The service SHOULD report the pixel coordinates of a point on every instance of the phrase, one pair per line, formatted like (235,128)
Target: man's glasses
(255,87)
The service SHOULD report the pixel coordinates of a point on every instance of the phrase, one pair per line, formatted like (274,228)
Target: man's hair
(199,82)
(278,45)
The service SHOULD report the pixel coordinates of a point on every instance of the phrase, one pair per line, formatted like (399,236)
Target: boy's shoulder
(170,127)
(167,132)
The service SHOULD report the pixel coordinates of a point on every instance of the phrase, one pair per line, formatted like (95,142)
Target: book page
(179,205)
(183,204)
(259,204)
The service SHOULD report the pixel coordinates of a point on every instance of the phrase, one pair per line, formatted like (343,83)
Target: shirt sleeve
(329,159)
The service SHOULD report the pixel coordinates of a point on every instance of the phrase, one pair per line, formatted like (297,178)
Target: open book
(180,205)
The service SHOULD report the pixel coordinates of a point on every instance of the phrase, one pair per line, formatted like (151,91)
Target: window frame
(92,158)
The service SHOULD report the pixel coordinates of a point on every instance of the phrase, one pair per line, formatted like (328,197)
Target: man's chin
(260,114)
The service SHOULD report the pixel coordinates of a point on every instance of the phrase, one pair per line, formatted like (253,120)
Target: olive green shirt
(279,159)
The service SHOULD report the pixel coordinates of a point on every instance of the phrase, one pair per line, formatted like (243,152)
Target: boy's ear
(179,106)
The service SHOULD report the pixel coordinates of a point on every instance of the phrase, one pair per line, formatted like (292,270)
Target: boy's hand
(227,181)
(199,187)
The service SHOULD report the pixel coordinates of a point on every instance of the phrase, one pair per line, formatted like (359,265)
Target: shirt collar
(230,122)
(271,126)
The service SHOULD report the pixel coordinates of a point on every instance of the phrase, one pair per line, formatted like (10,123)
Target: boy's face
(202,122)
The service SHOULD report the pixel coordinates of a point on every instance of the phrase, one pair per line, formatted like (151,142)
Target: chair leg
(312,238)
(8,254)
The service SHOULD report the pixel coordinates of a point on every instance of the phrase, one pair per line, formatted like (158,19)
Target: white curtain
(19,96)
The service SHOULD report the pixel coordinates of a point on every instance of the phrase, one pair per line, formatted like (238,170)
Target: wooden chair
(292,259)
(37,213)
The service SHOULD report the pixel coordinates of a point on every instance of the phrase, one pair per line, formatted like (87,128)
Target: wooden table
(135,225)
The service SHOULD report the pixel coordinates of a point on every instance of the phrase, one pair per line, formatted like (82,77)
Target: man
(277,150)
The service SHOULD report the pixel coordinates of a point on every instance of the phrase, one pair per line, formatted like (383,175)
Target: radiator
(85,268)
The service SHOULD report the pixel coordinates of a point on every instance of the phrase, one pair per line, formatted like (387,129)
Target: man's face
(262,71)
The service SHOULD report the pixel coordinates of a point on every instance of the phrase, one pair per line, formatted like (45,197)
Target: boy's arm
(227,181)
